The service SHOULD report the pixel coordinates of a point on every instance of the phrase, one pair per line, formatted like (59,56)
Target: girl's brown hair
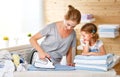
(73,14)
(90,28)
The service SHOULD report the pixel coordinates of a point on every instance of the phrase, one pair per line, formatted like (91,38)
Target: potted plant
(6,41)
(29,35)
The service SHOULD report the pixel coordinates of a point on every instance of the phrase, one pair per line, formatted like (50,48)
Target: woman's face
(86,36)
(69,24)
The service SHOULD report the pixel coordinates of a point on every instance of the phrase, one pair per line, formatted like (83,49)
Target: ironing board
(115,72)
(75,73)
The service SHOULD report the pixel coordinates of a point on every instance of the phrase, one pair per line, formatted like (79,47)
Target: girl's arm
(101,52)
(85,48)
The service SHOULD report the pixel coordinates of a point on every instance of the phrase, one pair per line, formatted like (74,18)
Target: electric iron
(37,62)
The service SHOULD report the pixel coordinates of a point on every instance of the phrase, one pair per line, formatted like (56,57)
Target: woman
(60,38)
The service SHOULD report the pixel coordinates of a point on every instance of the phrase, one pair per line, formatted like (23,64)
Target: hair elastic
(93,31)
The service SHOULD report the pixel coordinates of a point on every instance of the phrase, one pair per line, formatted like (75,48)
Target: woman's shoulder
(51,24)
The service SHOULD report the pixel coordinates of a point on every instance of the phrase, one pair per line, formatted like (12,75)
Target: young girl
(90,40)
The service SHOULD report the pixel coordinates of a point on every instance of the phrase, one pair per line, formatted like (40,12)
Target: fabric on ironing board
(58,67)
(33,68)
(64,67)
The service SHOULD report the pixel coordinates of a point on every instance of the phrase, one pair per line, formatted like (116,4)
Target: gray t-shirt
(54,44)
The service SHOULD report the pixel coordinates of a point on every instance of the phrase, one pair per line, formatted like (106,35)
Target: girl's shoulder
(99,43)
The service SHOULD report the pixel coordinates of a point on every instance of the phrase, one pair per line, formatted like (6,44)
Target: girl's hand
(86,42)
(89,54)
(85,54)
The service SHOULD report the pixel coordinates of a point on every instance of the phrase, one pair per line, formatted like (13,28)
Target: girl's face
(86,36)
(69,24)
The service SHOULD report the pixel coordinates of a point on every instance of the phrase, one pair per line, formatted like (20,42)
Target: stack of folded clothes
(108,30)
(93,63)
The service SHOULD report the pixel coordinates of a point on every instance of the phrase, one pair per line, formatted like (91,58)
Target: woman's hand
(71,64)
(43,55)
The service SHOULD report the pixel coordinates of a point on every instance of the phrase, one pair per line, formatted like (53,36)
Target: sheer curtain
(20,17)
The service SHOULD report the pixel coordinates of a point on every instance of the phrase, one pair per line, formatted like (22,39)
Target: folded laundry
(108,30)
(90,69)
(102,67)
(94,63)
(104,57)
(108,35)
(77,61)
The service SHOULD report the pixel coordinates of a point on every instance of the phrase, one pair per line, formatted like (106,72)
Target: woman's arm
(71,51)
(69,56)
(34,43)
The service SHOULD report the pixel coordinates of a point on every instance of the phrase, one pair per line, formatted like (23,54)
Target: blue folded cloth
(90,69)
(102,65)
(58,67)
(104,57)
(107,30)
(94,67)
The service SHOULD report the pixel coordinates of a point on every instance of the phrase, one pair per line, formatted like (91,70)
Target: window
(19,18)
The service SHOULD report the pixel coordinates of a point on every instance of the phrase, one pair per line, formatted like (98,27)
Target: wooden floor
(117,68)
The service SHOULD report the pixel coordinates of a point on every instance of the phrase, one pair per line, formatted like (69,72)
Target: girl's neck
(92,42)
